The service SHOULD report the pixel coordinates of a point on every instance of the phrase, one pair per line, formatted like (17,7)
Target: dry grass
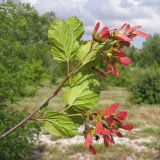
(29,103)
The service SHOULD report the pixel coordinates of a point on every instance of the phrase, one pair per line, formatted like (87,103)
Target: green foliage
(82,93)
(85,47)
(150,54)
(64,38)
(134,54)
(20,143)
(59,124)
(146,86)
(24,50)
(76,26)
(13,83)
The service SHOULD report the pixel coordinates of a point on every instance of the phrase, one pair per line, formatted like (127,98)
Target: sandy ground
(137,144)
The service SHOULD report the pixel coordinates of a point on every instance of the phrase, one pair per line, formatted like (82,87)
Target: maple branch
(29,116)
(39,107)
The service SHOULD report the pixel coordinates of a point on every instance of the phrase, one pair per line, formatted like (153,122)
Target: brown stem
(29,116)
(65,108)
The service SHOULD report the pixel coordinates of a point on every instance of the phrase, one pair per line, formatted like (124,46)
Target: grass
(29,103)
(145,118)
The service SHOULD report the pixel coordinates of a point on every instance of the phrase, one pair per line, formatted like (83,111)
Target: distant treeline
(25,57)
(25,61)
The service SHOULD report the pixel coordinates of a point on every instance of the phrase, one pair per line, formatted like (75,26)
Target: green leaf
(77,26)
(65,44)
(82,94)
(78,119)
(59,124)
(84,51)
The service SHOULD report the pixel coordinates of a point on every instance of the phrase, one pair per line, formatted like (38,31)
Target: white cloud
(33,2)
(108,12)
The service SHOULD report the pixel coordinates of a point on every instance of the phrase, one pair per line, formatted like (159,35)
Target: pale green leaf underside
(76,26)
(64,41)
(84,55)
(59,124)
(82,94)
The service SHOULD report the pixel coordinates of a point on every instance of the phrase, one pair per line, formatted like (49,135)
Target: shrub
(19,143)
(14,84)
(148,55)
(150,51)
(146,87)
(24,50)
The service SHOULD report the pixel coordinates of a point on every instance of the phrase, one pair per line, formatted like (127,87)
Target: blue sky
(109,12)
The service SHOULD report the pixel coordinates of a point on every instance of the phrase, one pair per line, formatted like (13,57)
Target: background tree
(150,52)
(24,49)
(25,60)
